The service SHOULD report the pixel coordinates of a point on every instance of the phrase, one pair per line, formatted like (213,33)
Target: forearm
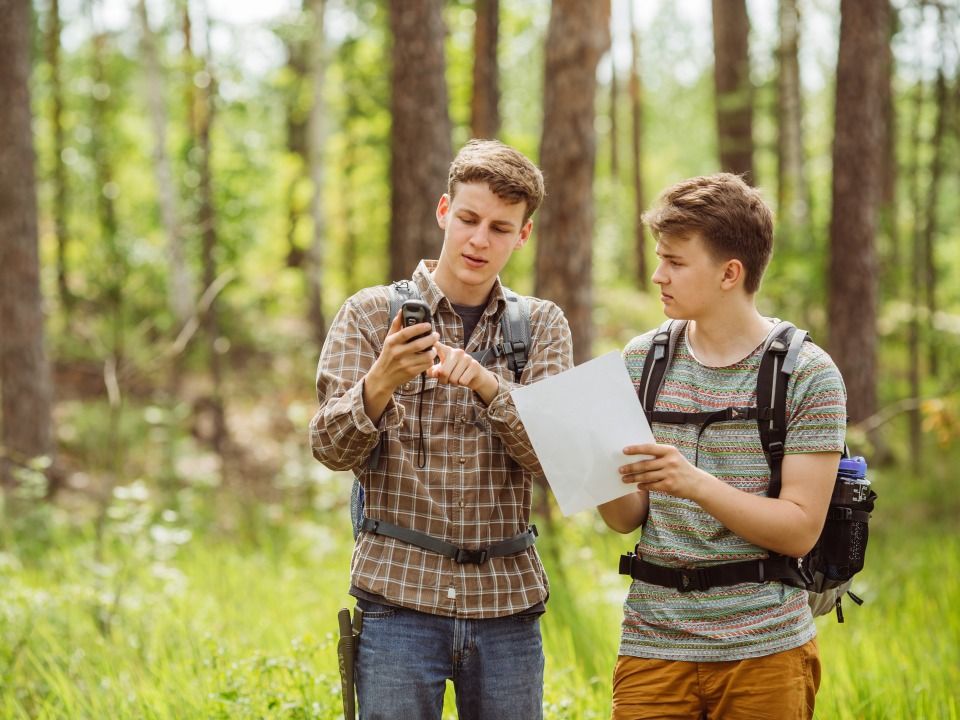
(775,524)
(627,513)
(376,396)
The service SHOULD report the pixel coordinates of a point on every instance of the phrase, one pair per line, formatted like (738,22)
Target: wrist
(487,387)
(703,486)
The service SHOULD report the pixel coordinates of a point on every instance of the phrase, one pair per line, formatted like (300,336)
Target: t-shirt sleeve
(817,406)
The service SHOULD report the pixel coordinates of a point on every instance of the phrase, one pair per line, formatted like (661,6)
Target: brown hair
(729,215)
(508,173)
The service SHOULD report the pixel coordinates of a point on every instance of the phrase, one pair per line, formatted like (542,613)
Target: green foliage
(160,615)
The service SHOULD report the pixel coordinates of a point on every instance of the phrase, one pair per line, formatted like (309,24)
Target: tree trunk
(914,371)
(636,135)
(892,264)
(614,125)
(297,110)
(577,37)
(181,289)
(112,284)
(24,375)
(315,137)
(859,138)
(930,225)
(203,106)
(793,193)
(420,150)
(485,105)
(734,91)
(60,194)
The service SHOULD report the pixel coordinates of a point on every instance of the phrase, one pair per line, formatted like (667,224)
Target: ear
(733,274)
(443,209)
(524,235)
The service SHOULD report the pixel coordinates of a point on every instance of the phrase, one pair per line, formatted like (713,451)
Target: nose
(659,276)
(480,236)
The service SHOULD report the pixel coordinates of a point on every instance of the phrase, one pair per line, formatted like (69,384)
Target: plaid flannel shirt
(475,489)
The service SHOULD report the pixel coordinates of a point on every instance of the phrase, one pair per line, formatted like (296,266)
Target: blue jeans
(405,658)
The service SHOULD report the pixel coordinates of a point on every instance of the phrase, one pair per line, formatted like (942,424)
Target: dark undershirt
(470,315)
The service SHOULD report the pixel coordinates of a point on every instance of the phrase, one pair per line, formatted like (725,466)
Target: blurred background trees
(213,182)
(190,189)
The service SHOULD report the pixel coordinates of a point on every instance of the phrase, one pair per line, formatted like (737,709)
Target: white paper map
(579,422)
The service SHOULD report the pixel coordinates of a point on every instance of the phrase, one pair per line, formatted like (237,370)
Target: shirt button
(460,503)
(462,460)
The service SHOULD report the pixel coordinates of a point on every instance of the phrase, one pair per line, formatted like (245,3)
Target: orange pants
(782,686)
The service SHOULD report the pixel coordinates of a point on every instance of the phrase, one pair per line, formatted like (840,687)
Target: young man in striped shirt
(455,466)
(743,650)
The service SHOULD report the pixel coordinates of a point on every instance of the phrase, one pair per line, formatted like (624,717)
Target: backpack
(514,344)
(826,572)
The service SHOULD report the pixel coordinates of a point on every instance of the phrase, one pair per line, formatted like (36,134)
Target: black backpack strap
(656,362)
(780,354)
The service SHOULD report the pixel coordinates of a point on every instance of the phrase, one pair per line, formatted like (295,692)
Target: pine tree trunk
(577,37)
(24,376)
(636,135)
(914,371)
(315,137)
(892,263)
(202,106)
(930,226)
(734,91)
(485,105)
(614,124)
(181,290)
(793,193)
(420,151)
(60,192)
(860,135)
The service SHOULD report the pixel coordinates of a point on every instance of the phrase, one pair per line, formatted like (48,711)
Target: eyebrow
(667,255)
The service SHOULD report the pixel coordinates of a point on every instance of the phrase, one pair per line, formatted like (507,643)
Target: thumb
(396,325)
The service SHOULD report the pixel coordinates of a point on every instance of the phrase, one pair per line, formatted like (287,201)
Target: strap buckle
(626,564)
(689,579)
(776,450)
(471,557)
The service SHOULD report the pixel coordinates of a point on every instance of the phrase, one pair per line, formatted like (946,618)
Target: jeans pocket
(373,611)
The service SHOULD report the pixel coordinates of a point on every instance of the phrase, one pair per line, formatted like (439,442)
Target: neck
(728,335)
(460,294)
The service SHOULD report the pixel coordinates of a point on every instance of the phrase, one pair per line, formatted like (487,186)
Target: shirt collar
(432,294)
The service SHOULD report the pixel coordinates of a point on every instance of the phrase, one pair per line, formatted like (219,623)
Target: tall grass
(163,621)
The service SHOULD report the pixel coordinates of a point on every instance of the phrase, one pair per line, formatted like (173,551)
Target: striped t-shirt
(749,619)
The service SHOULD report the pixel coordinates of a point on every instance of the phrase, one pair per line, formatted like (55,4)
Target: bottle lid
(855,466)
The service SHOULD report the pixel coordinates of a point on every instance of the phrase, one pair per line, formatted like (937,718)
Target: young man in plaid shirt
(459,593)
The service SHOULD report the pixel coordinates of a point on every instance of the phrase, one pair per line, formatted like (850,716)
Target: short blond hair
(507,172)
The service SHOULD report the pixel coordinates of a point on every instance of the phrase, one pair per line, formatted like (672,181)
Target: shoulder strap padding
(657,361)
(515,331)
(781,352)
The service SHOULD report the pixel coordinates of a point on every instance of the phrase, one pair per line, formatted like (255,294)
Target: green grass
(165,624)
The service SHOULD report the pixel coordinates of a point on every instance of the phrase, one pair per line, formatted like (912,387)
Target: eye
(468,220)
